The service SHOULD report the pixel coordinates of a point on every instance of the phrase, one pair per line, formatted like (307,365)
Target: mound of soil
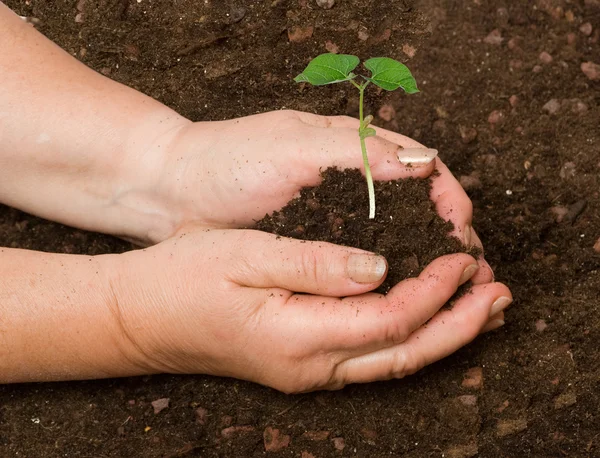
(406,229)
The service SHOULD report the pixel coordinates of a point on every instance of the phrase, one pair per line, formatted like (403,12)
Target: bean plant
(387,73)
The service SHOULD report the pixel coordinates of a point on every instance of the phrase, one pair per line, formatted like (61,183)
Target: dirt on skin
(505,100)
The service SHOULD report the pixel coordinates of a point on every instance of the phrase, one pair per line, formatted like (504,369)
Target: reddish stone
(297,34)
(275,441)
(494,38)
(159,405)
(473,378)
(234,431)
(591,70)
(339,443)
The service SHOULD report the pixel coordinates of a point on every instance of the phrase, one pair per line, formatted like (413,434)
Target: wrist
(141,204)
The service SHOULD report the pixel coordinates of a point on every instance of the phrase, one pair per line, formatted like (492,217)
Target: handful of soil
(406,230)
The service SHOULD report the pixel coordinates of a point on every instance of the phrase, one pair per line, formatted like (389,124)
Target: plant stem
(363,147)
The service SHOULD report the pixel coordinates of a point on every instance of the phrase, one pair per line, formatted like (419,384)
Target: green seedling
(386,73)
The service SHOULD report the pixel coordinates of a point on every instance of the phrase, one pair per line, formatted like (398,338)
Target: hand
(229,174)
(222,302)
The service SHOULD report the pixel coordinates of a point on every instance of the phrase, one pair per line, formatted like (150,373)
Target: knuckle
(398,331)
(406,362)
(310,266)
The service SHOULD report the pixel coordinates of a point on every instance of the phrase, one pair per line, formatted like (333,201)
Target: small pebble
(565,400)
(201,415)
(545,58)
(159,405)
(325,4)
(297,34)
(540,325)
(339,443)
(409,50)
(331,47)
(513,44)
(508,427)
(513,100)
(274,441)
(586,29)
(235,431)
(568,170)
(494,38)
(591,70)
(496,117)
(597,246)
(467,134)
(552,106)
(473,378)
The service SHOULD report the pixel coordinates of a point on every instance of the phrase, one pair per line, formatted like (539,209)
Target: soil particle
(591,70)
(509,427)
(565,400)
(326,4)
(274,440)
(494,38)
(552,106)
(473,378)
(159,405)
(339,443)
(236,431)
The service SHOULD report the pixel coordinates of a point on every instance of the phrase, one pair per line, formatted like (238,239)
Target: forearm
(74,145)
(60,319)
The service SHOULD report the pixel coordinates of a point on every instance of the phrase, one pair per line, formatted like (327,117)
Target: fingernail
(500,304)
(494,324)
(417,157)
(468,273)
(467,236)
(366,268)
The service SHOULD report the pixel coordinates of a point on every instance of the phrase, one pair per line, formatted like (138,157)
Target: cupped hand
(229,174)
(226,302)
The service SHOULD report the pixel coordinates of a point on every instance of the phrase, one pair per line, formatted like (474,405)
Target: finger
(370,322)
(353,123)
(340,147)
(452,202)
(448,331)
(485,274)
(266,261)
(495,322)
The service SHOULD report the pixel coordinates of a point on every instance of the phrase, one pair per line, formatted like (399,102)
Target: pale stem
(363,147)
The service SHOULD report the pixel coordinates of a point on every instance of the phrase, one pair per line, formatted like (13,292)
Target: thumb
(268,261)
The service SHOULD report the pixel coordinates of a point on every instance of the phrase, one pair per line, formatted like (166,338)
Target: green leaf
(390,74)
(329,69)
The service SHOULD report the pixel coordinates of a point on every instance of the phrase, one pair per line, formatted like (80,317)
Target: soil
(406,229)
(505,101)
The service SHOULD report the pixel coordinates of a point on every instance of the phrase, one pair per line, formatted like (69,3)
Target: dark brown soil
(406,229)
(482,106)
